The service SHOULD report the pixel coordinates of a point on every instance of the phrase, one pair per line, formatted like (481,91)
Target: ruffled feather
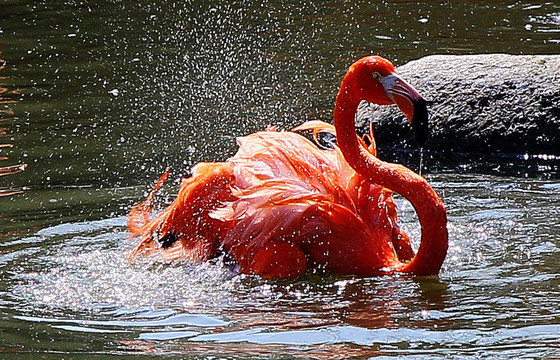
(279,197)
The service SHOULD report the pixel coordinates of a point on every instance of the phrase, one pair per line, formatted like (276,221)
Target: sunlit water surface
(70,289)
(99,98)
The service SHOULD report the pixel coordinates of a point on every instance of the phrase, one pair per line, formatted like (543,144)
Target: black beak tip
(420,122)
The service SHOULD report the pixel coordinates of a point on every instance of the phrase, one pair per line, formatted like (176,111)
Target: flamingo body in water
(282,205)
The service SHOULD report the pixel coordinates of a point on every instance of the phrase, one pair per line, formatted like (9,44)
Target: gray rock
(493,103)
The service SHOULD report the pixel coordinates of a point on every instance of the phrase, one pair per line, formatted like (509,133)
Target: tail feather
(139,215)
(184,230)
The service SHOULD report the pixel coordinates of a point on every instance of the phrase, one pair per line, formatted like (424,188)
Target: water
(98,98)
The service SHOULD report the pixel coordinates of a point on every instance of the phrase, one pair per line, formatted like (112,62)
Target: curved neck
(428,205)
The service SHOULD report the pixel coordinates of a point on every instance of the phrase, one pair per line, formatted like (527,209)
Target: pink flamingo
(282,205)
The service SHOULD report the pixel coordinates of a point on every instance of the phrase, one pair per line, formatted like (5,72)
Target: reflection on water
(6,115)
(498,290)
(99,111)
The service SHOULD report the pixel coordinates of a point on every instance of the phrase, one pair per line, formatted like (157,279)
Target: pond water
(98,98)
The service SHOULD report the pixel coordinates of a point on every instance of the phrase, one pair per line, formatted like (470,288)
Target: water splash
(421,161)
(74,278)
(85,268)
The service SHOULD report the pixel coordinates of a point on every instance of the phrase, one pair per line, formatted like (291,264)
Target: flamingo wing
(279,206)
(298,206)
(184,230)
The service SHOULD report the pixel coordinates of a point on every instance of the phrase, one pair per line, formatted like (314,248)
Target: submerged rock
(479,103)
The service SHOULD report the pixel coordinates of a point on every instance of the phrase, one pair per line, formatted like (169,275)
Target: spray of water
(87,270)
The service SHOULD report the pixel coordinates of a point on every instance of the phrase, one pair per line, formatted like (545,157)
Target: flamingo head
(375,80)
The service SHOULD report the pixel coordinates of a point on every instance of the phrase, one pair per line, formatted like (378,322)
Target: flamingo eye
(376,75)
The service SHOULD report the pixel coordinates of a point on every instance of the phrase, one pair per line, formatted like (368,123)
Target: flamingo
(282,205)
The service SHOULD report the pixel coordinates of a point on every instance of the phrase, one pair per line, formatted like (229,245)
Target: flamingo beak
(410,103)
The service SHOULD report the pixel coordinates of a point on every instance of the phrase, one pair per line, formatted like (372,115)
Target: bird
(283,205)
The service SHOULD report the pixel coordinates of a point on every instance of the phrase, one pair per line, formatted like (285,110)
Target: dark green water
(98,98)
